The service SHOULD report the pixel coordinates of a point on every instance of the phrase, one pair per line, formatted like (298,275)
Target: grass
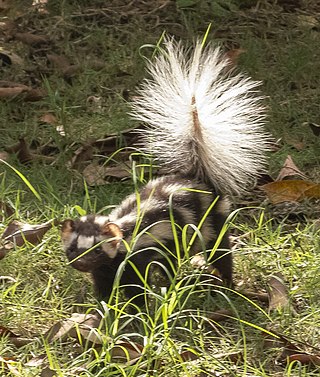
(38,288)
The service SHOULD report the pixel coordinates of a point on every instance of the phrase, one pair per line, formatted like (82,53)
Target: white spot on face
(85,242)
(67,241)
(83,219)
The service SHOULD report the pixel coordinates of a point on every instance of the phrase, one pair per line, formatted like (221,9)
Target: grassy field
(84,62)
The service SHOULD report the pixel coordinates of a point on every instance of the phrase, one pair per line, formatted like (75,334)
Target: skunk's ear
(111,230)
(67,229)
(67,233)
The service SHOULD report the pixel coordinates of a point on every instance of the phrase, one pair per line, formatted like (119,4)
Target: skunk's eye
(97,250)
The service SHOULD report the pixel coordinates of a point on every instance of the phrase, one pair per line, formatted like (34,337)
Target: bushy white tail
(201,120)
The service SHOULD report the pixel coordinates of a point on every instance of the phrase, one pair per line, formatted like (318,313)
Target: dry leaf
(220,315)
(112,142)
(9,58)
(10,89)
(261,296)
(77,324)
(189,355)
(4,4)
(22,150)
(289,169)
(12,92)
(305,359)
(4,156)
(48,118)
(58,61)
(37,361)
(31,39)
(17,340)
(34,94)
(120,171)
(278,293)
(48,372)
(291,191)
(8,363)
(81,155)
(94,174)
(312,193)
(126,352)
(17,234)
(279,341)
(233,56)
(5,211)
(315,128)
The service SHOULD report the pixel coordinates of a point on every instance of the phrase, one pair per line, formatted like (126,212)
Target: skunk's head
(90,241)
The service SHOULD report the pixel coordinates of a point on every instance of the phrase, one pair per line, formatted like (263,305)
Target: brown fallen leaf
(62,64)
(58,61)
(278,293)
(10,58)
(291,349)
(48,372)
(7,363)
(4,4)
(95,174)
(312,193)
(111,143)
(288,169)
(31,39)
(279,341)
(34,94)
(291,191)
(304,359)
(81,155)
(220,315)
(77,325)
(48,118)
(15,339)
(5,210)
(37,361)
(4,156)
(261,296)
(22,151)
(189,355)
(315,128)
(233,57)
(126,352)
(18,233)
(10,90)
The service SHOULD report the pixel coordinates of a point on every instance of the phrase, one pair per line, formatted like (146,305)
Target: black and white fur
(205,130)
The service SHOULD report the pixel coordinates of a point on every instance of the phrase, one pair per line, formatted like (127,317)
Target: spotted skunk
(205,129)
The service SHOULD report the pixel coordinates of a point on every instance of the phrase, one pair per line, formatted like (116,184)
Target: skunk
(205,130)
